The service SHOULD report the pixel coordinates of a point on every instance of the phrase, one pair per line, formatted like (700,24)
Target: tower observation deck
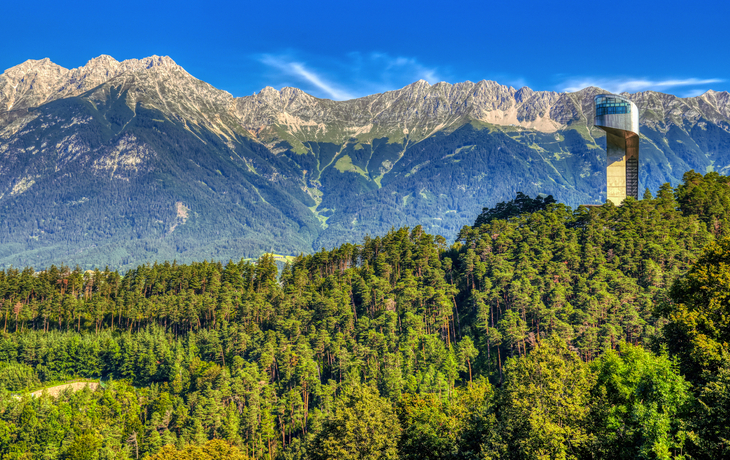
(619,117)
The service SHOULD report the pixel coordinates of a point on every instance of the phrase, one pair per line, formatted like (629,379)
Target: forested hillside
(541,332)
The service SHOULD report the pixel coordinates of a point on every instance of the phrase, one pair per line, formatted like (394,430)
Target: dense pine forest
(542,332)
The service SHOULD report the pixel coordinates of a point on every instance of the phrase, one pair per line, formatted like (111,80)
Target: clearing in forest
(55,391)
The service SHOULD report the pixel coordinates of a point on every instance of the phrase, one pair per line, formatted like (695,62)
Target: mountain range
(121,163)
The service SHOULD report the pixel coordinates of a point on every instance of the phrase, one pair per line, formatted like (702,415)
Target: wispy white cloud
(632,85)
(356,74)
(299,71)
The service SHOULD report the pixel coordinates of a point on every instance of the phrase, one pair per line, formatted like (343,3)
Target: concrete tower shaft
(619,117)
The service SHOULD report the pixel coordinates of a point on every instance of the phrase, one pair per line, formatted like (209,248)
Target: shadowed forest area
(541,332)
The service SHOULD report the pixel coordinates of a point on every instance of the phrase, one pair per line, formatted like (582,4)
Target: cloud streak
(632,85)
(356,74)
(299,71)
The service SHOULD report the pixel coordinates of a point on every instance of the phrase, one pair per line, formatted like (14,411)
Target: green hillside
(557,333)
(183,194)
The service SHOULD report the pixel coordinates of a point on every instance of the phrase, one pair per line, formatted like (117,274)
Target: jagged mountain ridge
(441,105)
(35,82)
(197,173)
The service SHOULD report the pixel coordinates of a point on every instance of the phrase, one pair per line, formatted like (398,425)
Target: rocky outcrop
(36,82)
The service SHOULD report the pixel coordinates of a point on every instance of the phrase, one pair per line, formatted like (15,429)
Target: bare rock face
(420,109)
(415,111)
(160,84)
(155,82)
(127,157)
(423,108)
(97,71)
(659,110)
(29,84)
(34,83)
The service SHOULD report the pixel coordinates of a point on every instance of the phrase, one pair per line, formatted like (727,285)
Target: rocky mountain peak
(81,79)
(715,97)
(442,85)
(156,61)
(270,105)
(29,84)
(267,91)
(36,82)
(416,86)
(103,60)
(523,94)
(33,66)
(290,93)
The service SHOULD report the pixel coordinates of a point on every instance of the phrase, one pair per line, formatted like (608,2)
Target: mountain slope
(139,161)
(146,165)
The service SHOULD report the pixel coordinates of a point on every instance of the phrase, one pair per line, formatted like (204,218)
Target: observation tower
(619,117)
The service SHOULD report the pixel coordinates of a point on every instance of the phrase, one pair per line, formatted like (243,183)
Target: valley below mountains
(122,163)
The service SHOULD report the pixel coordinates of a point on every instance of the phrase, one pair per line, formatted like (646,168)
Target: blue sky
(341,50)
